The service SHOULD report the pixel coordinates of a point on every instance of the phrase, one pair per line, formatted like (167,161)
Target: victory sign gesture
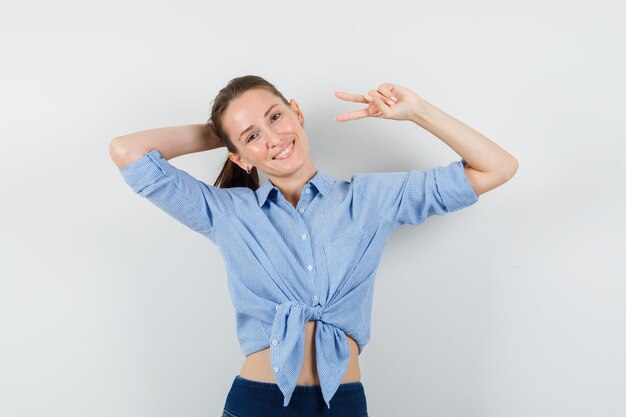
(389,101)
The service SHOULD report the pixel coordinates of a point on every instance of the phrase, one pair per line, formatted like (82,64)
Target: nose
(273,139)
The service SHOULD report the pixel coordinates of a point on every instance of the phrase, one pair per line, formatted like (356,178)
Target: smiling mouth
(289,152)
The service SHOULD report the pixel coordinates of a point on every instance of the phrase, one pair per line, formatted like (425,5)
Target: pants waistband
(347,386)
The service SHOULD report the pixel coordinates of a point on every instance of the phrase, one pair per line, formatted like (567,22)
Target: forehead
(247,109)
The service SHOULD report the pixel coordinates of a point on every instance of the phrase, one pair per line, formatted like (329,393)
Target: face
(261,126)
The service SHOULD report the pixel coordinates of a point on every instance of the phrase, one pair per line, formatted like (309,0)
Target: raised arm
(488,165)
(169,141)
(142,160)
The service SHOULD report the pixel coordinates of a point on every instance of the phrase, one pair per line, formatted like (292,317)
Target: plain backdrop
(515,306)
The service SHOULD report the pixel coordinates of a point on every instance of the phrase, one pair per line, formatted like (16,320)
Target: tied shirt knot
(287,348)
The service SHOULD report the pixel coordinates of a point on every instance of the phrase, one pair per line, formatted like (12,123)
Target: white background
(515,306)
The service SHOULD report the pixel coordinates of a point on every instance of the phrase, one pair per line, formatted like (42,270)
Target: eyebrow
(250,127)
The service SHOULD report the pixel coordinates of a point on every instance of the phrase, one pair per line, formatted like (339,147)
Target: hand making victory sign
(487,164)
(389,101)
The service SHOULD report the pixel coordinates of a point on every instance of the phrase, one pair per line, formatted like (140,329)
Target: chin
(292,169)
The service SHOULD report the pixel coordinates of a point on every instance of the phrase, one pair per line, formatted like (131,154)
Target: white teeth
(285,152)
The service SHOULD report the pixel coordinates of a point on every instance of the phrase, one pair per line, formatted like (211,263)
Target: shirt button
(315,298)
(274,342)
(275,369)
(309,267)
(307,191)
(303,236)
(277,307)
(301,210)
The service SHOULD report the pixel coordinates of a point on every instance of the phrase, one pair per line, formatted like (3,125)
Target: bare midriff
(258,367)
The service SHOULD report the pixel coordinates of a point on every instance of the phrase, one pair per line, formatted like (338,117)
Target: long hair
(232,175)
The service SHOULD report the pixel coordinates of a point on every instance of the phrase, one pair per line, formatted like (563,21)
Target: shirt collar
(322,181)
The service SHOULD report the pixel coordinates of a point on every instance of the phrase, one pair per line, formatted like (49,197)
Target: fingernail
(368,98)
(394,98)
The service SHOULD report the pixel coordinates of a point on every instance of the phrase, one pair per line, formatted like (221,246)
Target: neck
(291,186)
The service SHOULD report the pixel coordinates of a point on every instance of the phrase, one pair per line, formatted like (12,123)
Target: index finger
(358,98)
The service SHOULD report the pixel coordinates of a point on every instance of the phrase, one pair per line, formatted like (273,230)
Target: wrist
(420,111)
(209,138)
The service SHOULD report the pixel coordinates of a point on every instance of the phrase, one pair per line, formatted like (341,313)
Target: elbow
(512,168)
(120,155)
(115,151)
(113,146)
(508,170)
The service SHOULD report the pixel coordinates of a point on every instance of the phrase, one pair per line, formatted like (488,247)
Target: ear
(296,109)
(237,159)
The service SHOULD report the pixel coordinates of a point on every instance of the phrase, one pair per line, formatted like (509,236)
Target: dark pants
(248,398)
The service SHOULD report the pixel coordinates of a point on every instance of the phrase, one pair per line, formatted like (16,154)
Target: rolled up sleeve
(411,197)
(192,202)
(453,186)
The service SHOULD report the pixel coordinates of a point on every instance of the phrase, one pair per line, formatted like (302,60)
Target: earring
(248,170)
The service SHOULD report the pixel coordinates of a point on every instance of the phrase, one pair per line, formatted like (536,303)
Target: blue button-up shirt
(287,265)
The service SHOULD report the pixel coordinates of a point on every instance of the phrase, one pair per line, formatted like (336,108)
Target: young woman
(301,249)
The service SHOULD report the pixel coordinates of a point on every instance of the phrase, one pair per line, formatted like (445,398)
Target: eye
(273,119)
